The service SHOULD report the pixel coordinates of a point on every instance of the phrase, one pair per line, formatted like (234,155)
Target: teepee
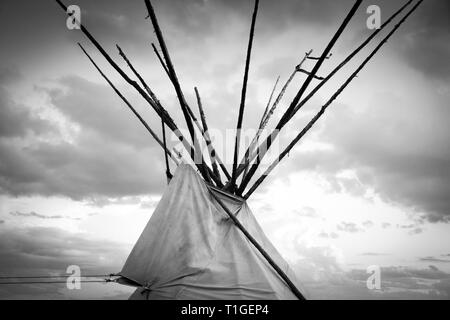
(191,249)
(202,241)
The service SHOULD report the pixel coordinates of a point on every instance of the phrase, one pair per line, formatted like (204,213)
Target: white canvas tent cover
(191,249)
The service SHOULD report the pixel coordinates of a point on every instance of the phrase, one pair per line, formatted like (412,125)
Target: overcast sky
(369,185)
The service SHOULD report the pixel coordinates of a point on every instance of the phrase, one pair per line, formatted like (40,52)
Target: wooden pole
(213,154)
(283,90)
(260,127)
(332,73)
(266,110)
(179,92)
(269,114)
(329,102)
(243,95)
(348,58)
(144,84)
(144,123)
(215,172)
(168,174)
(262,152)
(161,61)
(255,243)
(206,130)
(161,112)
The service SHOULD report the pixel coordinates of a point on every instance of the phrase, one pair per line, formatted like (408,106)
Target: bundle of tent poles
(243,169)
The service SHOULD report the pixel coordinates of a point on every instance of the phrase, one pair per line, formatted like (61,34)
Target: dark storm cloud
(15,119)
(110,156)
(49,251)
(39,29)
(96,108)
(424,40)
(427,42)
(79,171)
(40,26)
(323,277)
(399,148)
(277,15)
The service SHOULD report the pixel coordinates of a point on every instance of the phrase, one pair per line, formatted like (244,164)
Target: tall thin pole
(178,90)
(161,61)
(270,113)
(255,243)
(243,95)
(282,122)
(332,73)
(128,104)
(143,83)
(161,112)
(215,172)
(329,102)
(168,174)
(266,110)
(204,130)
(212,152)
(261,123)
(283,90)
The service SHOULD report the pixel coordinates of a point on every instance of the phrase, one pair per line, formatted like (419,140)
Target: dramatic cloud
(405,161)
(428,42)
(17,120)
(323,277)
(49,251)
(33,214)
(62,134)
(103,160)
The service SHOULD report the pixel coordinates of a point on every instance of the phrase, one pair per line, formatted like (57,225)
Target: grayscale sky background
(369,185)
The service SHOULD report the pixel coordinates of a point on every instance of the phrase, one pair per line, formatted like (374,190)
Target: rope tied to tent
(146,290)
(56,279)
